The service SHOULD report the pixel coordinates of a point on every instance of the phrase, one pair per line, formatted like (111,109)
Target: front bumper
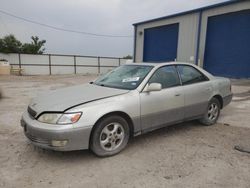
(42,135)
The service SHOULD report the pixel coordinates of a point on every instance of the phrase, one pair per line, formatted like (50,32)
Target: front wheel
(213,112)
(110,136)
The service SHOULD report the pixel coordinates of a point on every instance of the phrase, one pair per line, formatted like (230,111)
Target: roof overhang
(190,11)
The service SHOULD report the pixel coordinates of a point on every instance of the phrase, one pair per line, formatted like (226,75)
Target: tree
(35,47)
(9,44)
(128,57)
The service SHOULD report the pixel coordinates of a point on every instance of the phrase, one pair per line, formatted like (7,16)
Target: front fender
(128,103)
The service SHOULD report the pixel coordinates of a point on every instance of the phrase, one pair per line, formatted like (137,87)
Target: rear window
(190,75)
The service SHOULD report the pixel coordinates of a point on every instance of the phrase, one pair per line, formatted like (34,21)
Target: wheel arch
(220,99)
(119,113)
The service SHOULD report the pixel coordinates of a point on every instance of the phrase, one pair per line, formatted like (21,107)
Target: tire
(110,136)
(213,112)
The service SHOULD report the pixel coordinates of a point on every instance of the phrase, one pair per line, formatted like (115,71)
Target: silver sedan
(130,100)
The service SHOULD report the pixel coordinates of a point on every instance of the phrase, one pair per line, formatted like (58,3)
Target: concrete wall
(41,62)
(62,64)
(188,31)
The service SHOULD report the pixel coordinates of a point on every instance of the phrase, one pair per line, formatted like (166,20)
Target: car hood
(63,99)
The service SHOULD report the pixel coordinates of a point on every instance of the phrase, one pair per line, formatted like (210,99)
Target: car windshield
(124,77)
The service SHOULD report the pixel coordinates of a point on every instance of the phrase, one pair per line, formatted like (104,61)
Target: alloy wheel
(112,136)
(213,111)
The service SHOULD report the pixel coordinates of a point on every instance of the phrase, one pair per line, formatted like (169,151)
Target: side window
(190,75)
(167,76)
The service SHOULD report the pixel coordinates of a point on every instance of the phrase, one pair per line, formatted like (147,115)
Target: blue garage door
(160,43)
(227,51)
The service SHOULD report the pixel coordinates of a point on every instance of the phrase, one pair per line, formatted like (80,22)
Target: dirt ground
(183,155)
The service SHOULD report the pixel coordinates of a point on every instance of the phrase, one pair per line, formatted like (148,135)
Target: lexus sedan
(130,100)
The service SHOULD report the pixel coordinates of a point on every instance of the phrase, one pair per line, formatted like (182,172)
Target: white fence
(54,64)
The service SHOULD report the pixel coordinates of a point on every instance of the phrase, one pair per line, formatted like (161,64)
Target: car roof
(160,64)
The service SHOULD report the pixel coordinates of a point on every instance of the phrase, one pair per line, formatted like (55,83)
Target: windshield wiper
(97,84)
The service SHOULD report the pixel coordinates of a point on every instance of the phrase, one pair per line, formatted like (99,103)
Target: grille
(37,140)
(31,112)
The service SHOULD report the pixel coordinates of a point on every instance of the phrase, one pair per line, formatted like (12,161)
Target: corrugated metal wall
(228,45)
(186,39)
(188,31)
(160,43)
(213,12)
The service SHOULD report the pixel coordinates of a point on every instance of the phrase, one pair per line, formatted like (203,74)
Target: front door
(162,107)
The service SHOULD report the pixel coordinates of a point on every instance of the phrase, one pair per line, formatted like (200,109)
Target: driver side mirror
(153,87)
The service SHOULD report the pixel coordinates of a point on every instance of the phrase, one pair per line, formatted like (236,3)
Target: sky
(108,17)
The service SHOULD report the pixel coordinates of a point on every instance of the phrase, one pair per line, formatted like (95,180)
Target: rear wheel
(213,112)
(110,136)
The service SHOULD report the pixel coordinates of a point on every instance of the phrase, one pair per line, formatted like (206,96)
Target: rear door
(197,91)
(165,106)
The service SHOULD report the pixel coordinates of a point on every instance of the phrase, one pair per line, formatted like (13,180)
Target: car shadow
(174,129)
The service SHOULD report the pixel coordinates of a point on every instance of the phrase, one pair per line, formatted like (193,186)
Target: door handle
(177,94)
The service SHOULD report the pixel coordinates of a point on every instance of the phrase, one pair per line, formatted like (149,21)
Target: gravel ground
(183,155)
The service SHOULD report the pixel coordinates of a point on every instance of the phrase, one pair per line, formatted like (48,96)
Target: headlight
(51,118)
(69,118)
(58,118)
